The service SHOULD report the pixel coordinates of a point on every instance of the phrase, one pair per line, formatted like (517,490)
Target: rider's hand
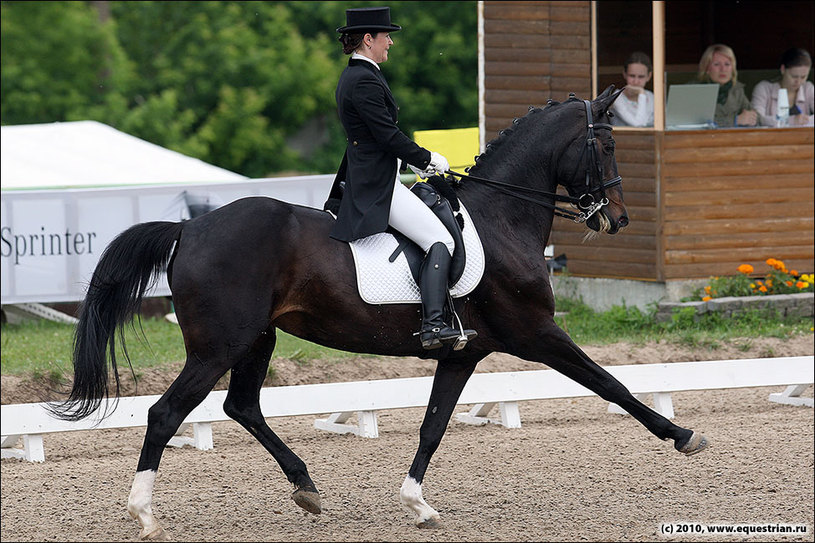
(438,164)
(421,173)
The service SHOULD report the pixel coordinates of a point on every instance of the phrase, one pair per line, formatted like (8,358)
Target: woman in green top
(718,65)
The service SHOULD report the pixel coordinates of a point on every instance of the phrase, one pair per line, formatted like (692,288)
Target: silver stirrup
(462,339)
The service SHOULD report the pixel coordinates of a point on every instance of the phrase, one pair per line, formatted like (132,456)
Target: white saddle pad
(383,282)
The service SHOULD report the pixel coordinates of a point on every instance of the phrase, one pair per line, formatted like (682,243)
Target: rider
(373,197)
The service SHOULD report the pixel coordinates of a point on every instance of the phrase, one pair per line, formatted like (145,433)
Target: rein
(587,204)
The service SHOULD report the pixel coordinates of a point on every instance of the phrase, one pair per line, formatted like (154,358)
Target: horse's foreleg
(163,419)
(243,404)
(563,355)
(448,383)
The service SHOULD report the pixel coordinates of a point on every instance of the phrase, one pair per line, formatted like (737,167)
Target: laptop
(691,107)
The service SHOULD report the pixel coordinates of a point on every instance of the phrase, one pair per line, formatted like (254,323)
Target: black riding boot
(433,286)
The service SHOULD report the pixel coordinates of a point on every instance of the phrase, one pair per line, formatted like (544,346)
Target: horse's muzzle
(604,221)
(622,222)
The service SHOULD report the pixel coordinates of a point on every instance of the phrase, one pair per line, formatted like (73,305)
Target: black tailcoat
(368,113)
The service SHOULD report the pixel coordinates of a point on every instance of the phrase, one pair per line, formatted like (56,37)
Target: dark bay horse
(240,272)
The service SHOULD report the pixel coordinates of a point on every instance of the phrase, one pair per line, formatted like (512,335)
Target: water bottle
(782,116)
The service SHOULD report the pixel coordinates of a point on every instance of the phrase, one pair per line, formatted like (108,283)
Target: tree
(231,83)
(240,72)
(59,62)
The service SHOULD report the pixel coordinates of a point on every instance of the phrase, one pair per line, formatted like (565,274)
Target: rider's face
(378,45)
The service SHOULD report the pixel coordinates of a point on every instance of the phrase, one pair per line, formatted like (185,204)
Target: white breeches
(410,216)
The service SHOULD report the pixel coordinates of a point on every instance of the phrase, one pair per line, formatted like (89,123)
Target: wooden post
(658,15)
(593,49)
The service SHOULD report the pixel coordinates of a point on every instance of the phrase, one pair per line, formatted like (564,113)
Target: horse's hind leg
(449,381)
(163,419)
(243,404)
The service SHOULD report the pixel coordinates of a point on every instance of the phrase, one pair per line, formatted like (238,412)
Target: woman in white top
(635,107)
(795,66)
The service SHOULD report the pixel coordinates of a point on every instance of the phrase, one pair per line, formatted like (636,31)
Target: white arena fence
(363,399)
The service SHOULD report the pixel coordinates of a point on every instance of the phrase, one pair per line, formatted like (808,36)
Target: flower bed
(786,292)
(778,280)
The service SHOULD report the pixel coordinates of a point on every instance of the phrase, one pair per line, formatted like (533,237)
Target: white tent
(92,154)
(70,188)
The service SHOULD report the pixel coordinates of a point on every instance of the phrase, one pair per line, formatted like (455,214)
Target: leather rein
(586,203)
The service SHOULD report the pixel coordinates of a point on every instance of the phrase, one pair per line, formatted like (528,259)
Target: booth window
(622,28)
(757,35)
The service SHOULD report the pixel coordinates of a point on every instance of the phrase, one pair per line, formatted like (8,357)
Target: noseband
(586,203)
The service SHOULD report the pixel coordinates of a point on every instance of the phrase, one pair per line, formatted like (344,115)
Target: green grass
(620,323)
(44,348)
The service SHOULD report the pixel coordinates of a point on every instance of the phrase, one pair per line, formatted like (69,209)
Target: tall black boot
(433,286)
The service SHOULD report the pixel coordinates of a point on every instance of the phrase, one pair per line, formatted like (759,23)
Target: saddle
(385,278)
(448,214)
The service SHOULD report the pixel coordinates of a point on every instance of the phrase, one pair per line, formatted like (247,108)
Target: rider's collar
(363,57)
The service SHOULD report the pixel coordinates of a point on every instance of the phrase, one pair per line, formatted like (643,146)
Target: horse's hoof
(156,535)
(430,524)
(308,499)
(696,444)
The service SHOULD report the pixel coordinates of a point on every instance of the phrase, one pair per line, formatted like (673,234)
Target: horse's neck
(530,223)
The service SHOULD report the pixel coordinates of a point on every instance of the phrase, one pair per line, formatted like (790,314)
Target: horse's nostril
(623,222)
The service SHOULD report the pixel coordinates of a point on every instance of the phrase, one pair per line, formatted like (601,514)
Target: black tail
(129,266)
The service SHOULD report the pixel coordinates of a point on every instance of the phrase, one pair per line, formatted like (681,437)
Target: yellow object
(458,145)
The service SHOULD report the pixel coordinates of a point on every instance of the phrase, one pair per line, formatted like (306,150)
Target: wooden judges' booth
(701,202)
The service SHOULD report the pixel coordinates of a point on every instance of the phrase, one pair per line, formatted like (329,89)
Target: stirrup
(464,335)
(463,338)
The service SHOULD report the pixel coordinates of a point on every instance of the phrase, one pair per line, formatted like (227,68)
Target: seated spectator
(636,105)
(795,66)
(718,65)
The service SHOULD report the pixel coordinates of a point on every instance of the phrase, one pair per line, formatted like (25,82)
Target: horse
(255,265)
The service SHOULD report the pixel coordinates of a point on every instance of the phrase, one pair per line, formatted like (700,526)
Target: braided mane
(519,122)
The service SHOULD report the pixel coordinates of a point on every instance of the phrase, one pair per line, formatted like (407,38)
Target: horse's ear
(606,92)
(606,98)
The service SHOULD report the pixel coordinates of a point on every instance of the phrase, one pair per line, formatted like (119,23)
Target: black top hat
(368,19)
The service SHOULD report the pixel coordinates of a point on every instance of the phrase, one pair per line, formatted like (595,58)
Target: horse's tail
(129,266)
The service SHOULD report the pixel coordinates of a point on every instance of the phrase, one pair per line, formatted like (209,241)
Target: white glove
(438,164)
(421,173)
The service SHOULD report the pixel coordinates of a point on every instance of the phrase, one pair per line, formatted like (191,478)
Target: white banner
(51,240)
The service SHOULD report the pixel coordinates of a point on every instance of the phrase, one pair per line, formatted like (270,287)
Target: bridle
(587,204)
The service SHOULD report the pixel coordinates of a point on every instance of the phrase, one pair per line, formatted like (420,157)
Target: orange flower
(707,289)
(794,272)
(762,288)
(706,299)
(746,269)
(801,284)
(771,262)
(788,283)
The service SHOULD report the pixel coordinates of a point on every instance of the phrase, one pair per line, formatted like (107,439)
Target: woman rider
(373,197)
